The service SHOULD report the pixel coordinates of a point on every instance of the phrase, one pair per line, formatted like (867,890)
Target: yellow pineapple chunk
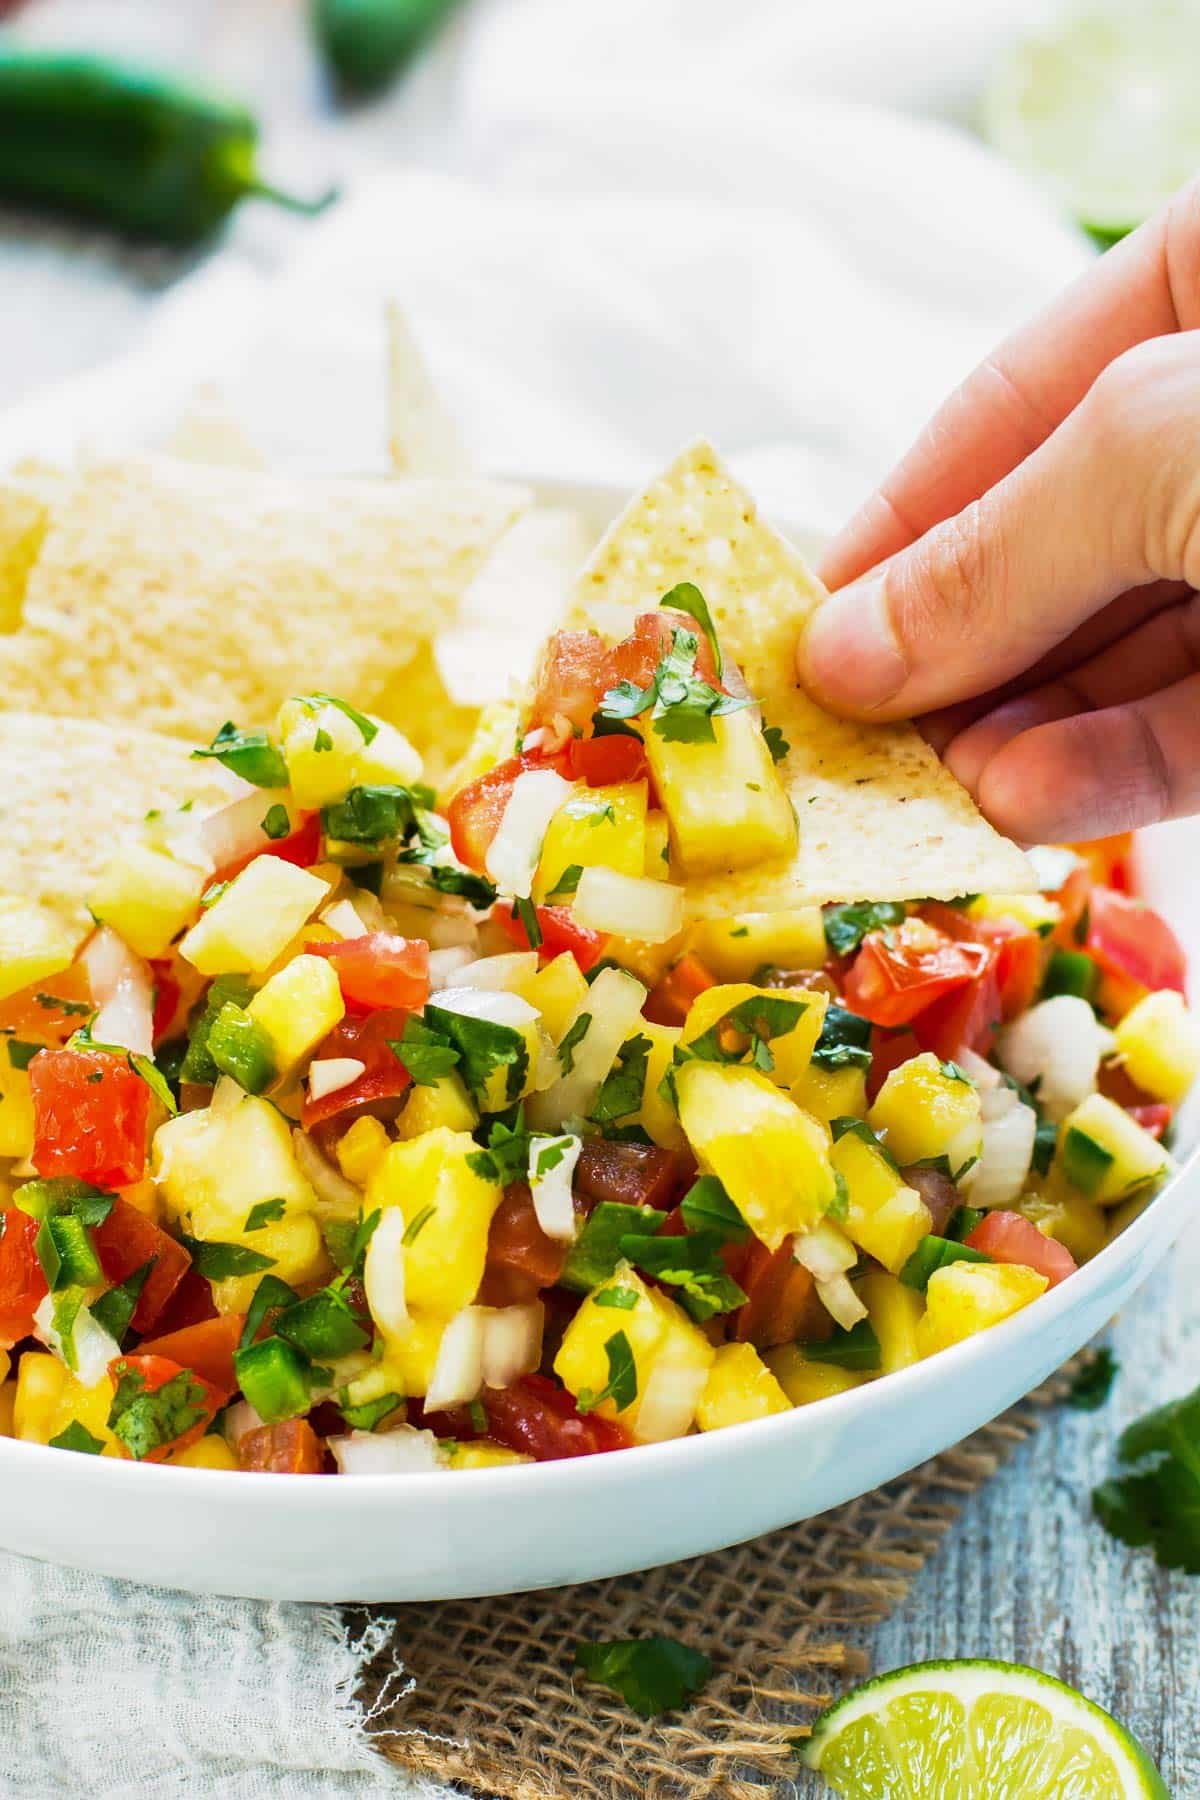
(431,1175)
(657,864)
(8,1399)
(603,826)
(442,1102)
(16,1106)
(1033,911)
(361,1148)
(803,1381)
(320,746)
(34,943)
(791,1052)
(965,1298)
(483,1453)
(1158,1041)
(558,991)
(736,949)
(925,1111)
(48,1398)
(830,1094)
(147,897)
(883,1216)
(209,1452)
(213,1166)
(724,801)
(656,1116)
(1066,1215)
(739,1387)
(297,1007)
(671,1358)
(772,1158)
(257,916)
(389,760)
(894,1312)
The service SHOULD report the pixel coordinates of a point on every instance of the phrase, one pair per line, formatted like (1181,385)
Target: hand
(1032,560)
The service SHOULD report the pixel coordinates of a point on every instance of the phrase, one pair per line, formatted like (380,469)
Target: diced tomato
(899,972)
(302,847)
(637,657)
(190,1304)
(166,998)
(289,1448)
(90,1113)
(1133,943)
(48,1011)
(966,1018)
(888,1050)
(379,969)
(630,1174)
(207,1349)
(571,680)
(604,761)
(155,1372)
(538,1418)
(521,1259)
(1111,861)
(366,1038)
(22,1283)
(559,932)
(475,812)
(937,1191)
(1008,1238)
(781,1298)
(126,1241)
(1154,1118)
(670,999)
(1019,955)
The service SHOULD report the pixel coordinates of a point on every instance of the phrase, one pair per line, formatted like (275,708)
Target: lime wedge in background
(976,1731)
(1101,107)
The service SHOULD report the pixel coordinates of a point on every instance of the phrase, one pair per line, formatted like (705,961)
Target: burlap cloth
(493,1708)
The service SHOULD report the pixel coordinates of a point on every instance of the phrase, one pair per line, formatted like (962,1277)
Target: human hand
(1034,557)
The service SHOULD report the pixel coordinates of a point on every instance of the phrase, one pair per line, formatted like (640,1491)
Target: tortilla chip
(880,817)
(422,437)
(177,596)
(69,790)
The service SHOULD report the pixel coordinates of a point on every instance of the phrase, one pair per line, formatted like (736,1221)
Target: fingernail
(849,655)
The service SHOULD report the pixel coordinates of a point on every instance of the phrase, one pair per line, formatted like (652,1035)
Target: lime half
(1101,108)
(977,1731)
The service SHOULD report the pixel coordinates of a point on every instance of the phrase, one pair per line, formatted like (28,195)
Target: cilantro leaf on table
(1157,1502)
(1094,1382)
(652,1675)
(847,926)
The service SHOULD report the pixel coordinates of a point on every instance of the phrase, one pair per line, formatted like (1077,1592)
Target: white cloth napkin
(618,226)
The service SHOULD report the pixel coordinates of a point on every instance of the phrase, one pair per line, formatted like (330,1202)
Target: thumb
(1093,511)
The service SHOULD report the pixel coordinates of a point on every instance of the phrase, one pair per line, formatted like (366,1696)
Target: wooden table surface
(1026,1574)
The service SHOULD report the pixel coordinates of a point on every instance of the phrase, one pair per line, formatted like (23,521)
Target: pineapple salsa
(361,1136)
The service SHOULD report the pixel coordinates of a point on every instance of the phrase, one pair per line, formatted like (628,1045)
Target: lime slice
(977,1731)
(1101,108)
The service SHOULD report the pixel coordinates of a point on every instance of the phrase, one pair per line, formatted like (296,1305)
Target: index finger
(1147,286)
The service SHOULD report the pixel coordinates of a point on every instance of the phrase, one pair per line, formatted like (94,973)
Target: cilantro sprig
(681,704)
(250,754)
(652,1675)
(1156,1502)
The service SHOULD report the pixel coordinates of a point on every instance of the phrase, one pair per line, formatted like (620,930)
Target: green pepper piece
(274,1378)
(1070,972)
(366,42)
(241,1047)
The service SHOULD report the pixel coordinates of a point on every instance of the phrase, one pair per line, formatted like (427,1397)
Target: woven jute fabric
(493,1709)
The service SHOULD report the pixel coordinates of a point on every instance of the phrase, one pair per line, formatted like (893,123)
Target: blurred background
(610,223)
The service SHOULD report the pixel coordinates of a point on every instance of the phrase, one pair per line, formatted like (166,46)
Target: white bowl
(442,1536)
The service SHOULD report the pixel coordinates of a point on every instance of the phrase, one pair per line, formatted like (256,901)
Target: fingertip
(849,658)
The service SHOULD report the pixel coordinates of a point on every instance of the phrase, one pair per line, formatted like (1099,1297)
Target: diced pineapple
(1068,1216)
(604,826)
(444,1102)
(739,1387)
(925,1111)
(830,1094)
(297,1008)
(671,1358)
(657,864)
(407,1364)
(883,1216)
(247,926)
(49,1398)
(965,1298)
(298,1255)
(431,1175)
(209,1452)
(894,1311)
(649,962)
(500,1040)
(1107,1155)
(16,1107)
(724,801)
(1159,1044)
(147,897)
(1033,911)
(803,1382)
(495,736)
(557,991)
(34,943)
(320,746)
(483,1453)
(389,760)
(360,1149)
(8,1398)
(656,1116)
(736,949)
(791,1052)
(772,1158)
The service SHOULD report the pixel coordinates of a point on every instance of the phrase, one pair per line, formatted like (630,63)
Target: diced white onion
(343,918)
(333,1191)
(445,964)
(404,1451)
(981,1071)
(458,1369)
(632,906)
(825,1252)
(513,853)
(227,1096)
(383,1272)
(330,1073)
(447,930)
(1057,1045)
(506,973)
(93,1348)
(533,740)
(614,1002)
(999,1175)
(552,1191)
(668,1404)
(235,831)
(237,1420)
(512,1342)
(841,1302)
(123,989)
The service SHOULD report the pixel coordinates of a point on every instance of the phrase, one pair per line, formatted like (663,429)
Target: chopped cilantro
(250,754)
(1157,1501)
(621,1387)
(322,1325)
(146,1420)
(426,1053)
(652,1675)
(1094,1382)
(775,741)
(114,1310)
(506,1157)
(374,815)
(686,597)
(707,1207)
(597,1250)
(525,912)
(367,727)
(20,1055)
(322,739)
(70,1009)
(692,1263)
(266,1212)
(847,926)
(370,1413)
(845,1041)
(850,1127)
(217,1262)
(483,1047)
(143,1066)
(212,894)
(477,890)
(857,1348)
(745,1032)
(271,1295)
(77,1437)
(548,1156)
(417,1224)
(567,883)
(681,704)
(622,1299)
(623,1087)
(572,1040)
(275,821)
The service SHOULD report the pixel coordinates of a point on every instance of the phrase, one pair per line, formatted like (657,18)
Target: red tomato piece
(1133,943)
(475,812)
(781,1298)
(538,1418)
(166,999)
(126,1241)
(190,1304)
(1154,1118)
(559,932)
(22,1283)
(290,1448)
(638,656)
(1111,861)
(1008,1238)
(302,847)
(90,1113)
(155,1372)
(967,1018)
(571,680)
(379,969)
(670,999)
(888,1050)
(899,972)
(207,1348)
(521,1259)
(605,761)
(366,1037)
(1072,901)
(938,1193)
(631,1174)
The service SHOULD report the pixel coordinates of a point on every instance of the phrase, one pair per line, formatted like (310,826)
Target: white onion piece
(999,1175)
(93,1347)
(533,740)
(445,964)
(1057,1044)
(458,1369)
(551,1189)
(614,1002)
(235,831)
(669,1403)
(507,973)
(383,1273)
(449,929)
(981,1072)
(329,1073)
(123,989)
(237,1420)
(227,1096)
(405,1451)
(825,1252)
(335,1193)
(343,918)
(512,1342)
(841,1302)
(632,906)
(513,853)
